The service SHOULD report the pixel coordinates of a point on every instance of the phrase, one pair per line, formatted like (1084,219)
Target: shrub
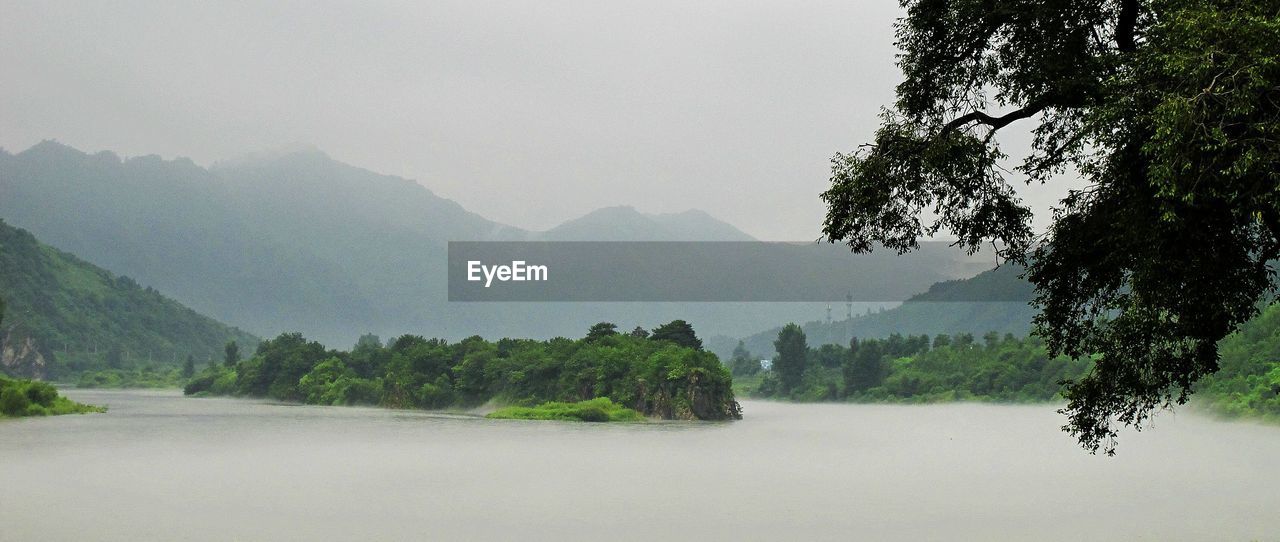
(13,402)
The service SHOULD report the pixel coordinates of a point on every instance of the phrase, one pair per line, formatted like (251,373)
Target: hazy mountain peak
(626,223)
(52,148)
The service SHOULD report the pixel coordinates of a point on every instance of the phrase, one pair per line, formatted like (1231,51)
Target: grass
(600,409)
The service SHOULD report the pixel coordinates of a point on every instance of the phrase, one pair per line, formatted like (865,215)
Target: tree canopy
(789,363)
(679,332)
(1169,110)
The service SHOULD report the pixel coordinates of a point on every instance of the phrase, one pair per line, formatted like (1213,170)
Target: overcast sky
(529,113)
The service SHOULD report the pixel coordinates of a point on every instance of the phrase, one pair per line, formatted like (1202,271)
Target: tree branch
(996,123)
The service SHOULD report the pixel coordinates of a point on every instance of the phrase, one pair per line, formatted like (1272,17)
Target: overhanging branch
(996,123)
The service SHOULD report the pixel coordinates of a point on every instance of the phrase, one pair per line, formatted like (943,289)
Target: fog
(158,466)
(527,113)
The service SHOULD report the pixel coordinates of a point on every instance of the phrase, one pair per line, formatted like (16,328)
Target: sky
(529,113)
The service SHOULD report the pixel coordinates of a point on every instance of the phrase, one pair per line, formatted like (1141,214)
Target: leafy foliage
(592,410)
(34,398)
(790,362)
(1248,382)
(1168,109)
(651,376)
(678,332)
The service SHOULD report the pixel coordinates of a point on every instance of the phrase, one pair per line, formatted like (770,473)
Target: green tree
(368,340)
(679,332)
(231,354)
(864,368)
(189,368)
(1168,110)
(640,333)
(789,364)
(601,330)
(13,401)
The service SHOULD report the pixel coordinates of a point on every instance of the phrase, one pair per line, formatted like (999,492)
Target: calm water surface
(162,467)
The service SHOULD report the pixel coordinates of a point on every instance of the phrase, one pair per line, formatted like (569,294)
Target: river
(159,466)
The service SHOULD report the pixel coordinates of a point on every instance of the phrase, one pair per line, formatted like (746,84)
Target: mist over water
(159,466)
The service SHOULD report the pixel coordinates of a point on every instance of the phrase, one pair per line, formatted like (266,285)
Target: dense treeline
(994,368)
(915,368)
(664,374)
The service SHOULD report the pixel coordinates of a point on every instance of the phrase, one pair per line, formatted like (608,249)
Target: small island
(605,376)
(20,398)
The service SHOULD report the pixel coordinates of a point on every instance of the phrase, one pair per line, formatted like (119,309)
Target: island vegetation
(600,409)
(20,397)
(665,374)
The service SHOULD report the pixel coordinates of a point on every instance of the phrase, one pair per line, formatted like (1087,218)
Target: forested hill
(60,310)
(996,300)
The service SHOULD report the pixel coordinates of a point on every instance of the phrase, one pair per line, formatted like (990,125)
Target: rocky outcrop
(21,355)
(696,396)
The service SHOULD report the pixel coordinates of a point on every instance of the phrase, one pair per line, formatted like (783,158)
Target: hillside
(995,300)
(61,311)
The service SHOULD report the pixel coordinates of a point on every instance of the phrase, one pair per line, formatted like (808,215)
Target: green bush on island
(594,410)
(35,398)
(666,375)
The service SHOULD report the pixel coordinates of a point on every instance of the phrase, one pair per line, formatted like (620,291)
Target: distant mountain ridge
(297,241)
(58,305)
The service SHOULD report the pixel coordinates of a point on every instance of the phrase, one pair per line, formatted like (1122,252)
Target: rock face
(694,397)
(21,356)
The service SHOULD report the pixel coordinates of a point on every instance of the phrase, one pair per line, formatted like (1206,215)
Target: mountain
(60,309)
(298,241)
(625,223)
(995,300)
